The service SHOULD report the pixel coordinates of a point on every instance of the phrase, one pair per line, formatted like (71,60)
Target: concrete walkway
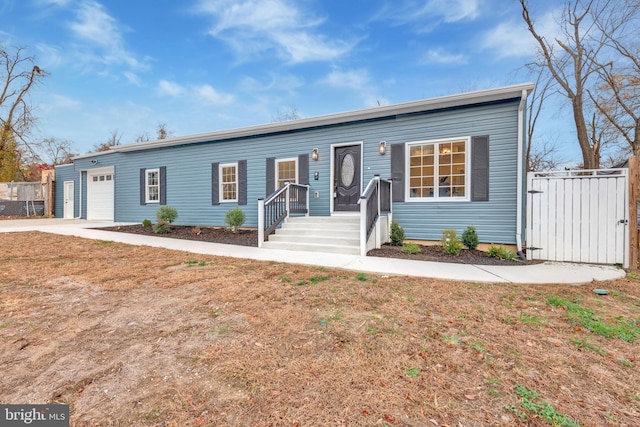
(548,272)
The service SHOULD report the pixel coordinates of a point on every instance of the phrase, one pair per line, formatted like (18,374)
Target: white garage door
(100,194)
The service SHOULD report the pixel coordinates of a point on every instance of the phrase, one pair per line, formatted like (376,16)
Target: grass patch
(626,363)
(317,279)
(361,277)
(530,320)
(529,402)
(587,345)
(413,372)
(585,317)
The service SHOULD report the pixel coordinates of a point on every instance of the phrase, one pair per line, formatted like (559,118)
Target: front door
(347,178)
(68,200)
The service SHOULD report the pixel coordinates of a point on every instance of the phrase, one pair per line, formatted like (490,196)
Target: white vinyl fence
(578,216)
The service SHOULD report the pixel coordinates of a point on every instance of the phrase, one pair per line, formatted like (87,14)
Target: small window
(286,171)
(108,177)
(101,177)
(437,170)
(95,178)
(152,185)
(229,182)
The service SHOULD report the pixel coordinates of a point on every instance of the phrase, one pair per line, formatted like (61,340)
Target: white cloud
(101,36)
(431,13)
(168,88)
(513,39)
(352,79)
(49,56)
(209,95)
(251,27)
(439,56)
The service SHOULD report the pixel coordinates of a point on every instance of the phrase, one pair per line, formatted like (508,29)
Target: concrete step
(336,234)
(312,247)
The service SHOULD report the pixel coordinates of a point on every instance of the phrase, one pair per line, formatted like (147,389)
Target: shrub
(450,242)
(470,237)
(397,234)
(167,214)
(146,222)
(411,248)
(162,227)
(500,252)
(235,218)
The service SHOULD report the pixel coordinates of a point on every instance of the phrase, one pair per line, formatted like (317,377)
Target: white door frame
(332,173)
(69,200)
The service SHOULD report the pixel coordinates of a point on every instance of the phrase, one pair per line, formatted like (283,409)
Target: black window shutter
(397,171)
(242,182)
(303,169)
(271,175)
(215,184)
(143,186)
(163,185)
(480,168)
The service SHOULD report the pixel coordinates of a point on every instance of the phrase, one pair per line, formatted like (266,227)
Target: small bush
(397,234)
(162,227)
(235,218)
(470,237)
(411,248)
(146,222)
(450,242)
(500,252)
(167,214)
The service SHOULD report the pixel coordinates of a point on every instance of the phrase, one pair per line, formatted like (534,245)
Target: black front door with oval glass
(346,178)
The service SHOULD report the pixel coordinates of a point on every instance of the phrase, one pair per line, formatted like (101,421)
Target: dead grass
(142,336)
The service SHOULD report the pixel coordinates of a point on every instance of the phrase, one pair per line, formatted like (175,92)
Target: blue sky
(207,65)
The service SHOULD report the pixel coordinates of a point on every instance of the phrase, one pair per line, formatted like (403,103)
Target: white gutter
(519,174)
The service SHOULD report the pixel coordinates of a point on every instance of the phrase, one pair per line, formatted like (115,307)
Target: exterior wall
(64,173)
(188,173)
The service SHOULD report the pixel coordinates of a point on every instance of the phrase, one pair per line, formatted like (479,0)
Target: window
(286,171)
(229,182)
(438,170)
(152,186)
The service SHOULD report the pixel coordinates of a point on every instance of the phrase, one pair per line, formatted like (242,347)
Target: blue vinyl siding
(64,173)
(188,171)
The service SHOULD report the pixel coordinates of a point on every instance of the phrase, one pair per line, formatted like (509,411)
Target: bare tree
(290,113)
(569,60)
(54,151)
(112,141)
(618,96)
(18,76)
(162,132)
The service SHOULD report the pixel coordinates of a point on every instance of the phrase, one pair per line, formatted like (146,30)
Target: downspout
(519,175)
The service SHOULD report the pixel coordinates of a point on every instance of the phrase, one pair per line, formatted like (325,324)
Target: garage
(100,194)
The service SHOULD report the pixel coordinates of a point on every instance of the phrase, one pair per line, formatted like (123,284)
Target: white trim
(288,159)
(436,198)
(146,185)
(220,183)
(332,172)
(519,171)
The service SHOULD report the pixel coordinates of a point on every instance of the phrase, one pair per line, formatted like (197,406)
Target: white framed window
(152,185)
(286,171)
(229,182)
(438,170)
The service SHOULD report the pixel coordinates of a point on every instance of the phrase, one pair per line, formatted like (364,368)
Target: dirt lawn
(148,337)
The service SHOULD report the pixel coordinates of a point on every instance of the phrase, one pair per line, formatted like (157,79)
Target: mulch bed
(249,237)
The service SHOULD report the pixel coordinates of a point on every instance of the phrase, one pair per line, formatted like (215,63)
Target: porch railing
(276,208)
(375,199)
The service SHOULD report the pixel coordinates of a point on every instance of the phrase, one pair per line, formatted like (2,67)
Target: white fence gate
(578,216)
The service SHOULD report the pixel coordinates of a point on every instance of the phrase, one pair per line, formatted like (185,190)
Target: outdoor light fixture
(383,147)
(314,154)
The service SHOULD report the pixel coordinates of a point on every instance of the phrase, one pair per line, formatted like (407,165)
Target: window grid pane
(229,184)
(153,187)
(286,172)
(439,176)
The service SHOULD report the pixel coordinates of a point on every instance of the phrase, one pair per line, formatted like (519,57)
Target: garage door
(100,194)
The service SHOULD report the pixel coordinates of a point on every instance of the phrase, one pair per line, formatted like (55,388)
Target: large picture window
(152,186)
(229,182)
(286,171)
(438,170)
